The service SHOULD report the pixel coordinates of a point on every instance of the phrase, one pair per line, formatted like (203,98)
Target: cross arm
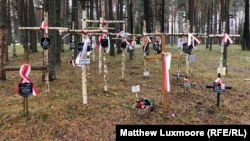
(39,28)
(160,56)
(221,35)
(98,21)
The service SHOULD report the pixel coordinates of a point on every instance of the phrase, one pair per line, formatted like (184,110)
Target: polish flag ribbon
(145,41)
(103,22)
(227,38)
(103,36)
(166,67)
(44,26)
(218,81)
(83,31)
(191,40)
(186,80)
(99,47)
(83,53)
(24,73)
(72,62)
(123,34)
(158,39)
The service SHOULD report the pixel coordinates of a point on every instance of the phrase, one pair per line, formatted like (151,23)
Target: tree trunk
(246,36)
(22,14)
(3,37)
(3,48)
(111,17)
(32,23)
(53,40)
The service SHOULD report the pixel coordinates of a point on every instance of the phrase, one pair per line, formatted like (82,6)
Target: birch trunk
(123,64)
(84,76)
(46,56)
(100,61)
(105,70)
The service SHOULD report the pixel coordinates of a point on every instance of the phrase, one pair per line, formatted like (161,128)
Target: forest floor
(61,114)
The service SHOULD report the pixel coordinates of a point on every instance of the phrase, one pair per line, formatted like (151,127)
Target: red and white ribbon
(123,34)
(158,39)
(44,26)
(99,46)
(83,53)
(133,42)
(145,41)
(166,66)
(103,22)
(72,62)
(218,81)
(24,73)
(192,39)
(186,80)
(227,38)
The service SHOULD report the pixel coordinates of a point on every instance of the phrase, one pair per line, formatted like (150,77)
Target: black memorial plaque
(45,43)
(72,45)
(25,89)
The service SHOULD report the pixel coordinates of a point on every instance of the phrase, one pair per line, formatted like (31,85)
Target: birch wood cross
(45,28)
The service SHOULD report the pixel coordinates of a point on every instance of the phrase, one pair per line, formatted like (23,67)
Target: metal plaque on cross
(45,43)
(25,89)
(84,61)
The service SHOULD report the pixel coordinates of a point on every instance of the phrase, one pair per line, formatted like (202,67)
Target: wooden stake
(123,64)
(84,76)
(46,56)
(105,70)
(100,61)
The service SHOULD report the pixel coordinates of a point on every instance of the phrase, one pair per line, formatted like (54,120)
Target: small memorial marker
(135,89)
(25,89)
(221,70)
(146,73)
(84,61)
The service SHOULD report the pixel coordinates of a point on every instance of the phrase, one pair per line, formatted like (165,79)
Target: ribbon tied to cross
(24,73)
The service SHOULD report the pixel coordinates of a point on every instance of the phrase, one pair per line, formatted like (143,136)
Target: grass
(61,114)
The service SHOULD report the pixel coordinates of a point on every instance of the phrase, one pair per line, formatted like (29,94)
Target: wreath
(145,103)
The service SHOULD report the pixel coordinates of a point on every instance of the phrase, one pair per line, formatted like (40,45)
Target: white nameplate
(136,89)
(145,73)
(84,61)
(221,70)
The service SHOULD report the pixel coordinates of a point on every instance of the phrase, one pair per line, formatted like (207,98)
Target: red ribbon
(24,73)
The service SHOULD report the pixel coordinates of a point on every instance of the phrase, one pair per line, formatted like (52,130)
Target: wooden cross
(45,51)
(159,56)
(100,26)
(223,69)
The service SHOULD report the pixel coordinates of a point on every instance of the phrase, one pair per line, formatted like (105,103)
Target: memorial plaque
(25,89)
(84,61)
(104,43)
(80,46)
(45,43)
(187,84)
(191,59)
(72,45)
(221,70)
(136,89)
(218,88)
(130,47)
(146,73)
